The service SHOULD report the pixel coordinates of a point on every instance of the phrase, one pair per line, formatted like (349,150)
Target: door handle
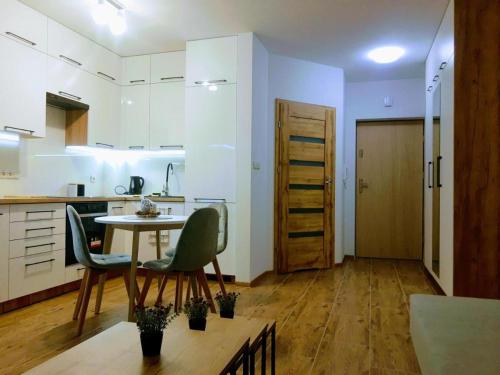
(362,185)
(438,171)
(430,178)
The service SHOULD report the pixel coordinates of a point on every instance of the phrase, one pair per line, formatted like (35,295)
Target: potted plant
(226,304)
(151,322)
(196,309)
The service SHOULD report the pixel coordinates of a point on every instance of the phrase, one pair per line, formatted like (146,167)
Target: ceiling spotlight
(386,55)
(102,12)
(117,23)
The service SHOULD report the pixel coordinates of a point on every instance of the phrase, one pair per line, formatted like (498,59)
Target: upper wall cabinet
(168,67)
(135,117)
(66,80)
(23,24)
(211,61)
(23,73)
(136,70)
(106,64)
(69,46)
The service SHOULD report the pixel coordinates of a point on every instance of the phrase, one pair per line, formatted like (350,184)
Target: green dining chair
(95,265)
(197,247)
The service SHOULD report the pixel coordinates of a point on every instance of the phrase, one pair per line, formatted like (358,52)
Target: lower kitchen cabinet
(73,273)
(119,236)
(227,260)
(37,272)
(4,253)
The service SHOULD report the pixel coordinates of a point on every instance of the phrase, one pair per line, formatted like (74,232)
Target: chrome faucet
(170,170)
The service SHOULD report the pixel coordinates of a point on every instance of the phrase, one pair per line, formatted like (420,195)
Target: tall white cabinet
(438,197)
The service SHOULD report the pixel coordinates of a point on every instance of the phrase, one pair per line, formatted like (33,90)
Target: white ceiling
(331,32)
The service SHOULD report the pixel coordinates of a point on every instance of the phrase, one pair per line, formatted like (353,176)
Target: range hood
(65,103)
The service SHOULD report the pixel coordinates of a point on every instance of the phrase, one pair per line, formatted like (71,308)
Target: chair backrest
(197,245)
(223,223)
(80,247)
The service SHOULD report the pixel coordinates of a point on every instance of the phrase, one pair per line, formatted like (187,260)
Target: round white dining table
(136,225)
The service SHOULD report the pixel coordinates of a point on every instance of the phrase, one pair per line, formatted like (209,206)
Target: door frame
(358,121)
(276,208)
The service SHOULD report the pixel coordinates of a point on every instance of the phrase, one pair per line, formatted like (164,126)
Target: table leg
(264,354)
(245,360)
(273,349)
(133,274)
(158,254)
(106,249)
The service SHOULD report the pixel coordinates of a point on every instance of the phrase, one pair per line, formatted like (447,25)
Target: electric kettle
(136,184)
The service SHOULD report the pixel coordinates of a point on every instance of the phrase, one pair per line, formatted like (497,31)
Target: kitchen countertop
(20,199)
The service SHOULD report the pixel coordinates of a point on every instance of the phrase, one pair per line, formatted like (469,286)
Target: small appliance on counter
(136,185)
(76,190)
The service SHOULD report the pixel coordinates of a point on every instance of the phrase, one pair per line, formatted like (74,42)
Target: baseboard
(254,281)
(433,282)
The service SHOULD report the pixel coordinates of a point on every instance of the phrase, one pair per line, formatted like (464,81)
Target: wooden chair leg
(162,288)
(180,282)
(145,287)
(188,292)
(202,279)
(78,304)
(194,285)
(220,279)
(100,291)
(85,301)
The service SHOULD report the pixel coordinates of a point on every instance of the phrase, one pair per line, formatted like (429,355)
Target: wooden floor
(350,320)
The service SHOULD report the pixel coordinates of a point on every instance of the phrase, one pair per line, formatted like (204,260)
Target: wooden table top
(117,350)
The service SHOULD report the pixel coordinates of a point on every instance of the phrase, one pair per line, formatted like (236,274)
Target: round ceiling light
(386,55)
(117,23)
(102,12)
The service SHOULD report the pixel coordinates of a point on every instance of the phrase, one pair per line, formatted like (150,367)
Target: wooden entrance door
(304,188)
(389,189)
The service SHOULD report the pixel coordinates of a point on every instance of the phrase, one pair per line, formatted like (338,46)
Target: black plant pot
(151,344)
(229,314)
(198,324)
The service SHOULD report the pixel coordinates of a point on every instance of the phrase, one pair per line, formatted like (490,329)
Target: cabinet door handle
(429,89)
(20,38)
(443,65)
(172,146)
(429,175)
(107,145)
(44,244)
(41,211)
(136,147)
(438,171)
(137,81)
(106,76)
(18,130)
(436,77)
(116,208)
(169,78)
(43,261)
(69,59)
(44,228)
(213,82)
(71,96)
(80,268)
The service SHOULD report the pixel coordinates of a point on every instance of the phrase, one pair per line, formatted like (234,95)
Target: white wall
(365,101)
(307,82)
(45,167)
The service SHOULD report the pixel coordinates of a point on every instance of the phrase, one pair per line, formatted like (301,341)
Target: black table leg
(245,360)
(273,350)
(264,350)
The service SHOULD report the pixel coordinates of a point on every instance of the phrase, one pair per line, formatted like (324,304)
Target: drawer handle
(172,146)
(106,76)
(71,96)
(80,269)
(31,229)
(40,212)
(168,78)
(116,208)
(43,261)
(70,60)
(18,130)
(138,80)
(45,244)
(107,145)
(20,38)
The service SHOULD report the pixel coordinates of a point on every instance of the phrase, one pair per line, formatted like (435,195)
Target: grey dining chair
(197,247)
(221,243)
(95,265)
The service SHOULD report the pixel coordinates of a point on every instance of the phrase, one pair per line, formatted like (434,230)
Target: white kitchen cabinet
(67,80)
(135,117)
(168,67)
(211,143)
(23,24)
(36,245)
(166,127)
(37,211)
(73,273)
(227,260)
(211,60)
(104,113)
(106,64)
(117,208)
(23,82)
(136,70)
(4,253)
(69,46)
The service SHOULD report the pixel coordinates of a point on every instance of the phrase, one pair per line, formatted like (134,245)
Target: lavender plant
(153,320)
(196,308)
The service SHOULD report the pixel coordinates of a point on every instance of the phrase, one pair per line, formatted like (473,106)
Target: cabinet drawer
(38,228)
(73,273)
(33,273)
(29,212)
(36,245)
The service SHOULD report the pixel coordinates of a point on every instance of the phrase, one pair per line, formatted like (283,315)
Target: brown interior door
(389,191)
(305,146)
